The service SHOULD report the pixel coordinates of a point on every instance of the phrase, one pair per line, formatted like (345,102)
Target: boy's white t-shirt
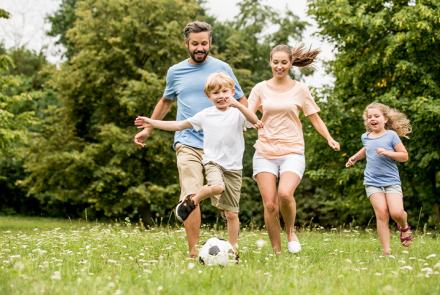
(223,141)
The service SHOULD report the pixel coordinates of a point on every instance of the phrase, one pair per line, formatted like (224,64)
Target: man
(185,83)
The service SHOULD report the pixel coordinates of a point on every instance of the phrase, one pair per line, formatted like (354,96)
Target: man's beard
(198,60)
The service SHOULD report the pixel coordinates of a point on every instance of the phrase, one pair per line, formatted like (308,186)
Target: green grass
(47,256)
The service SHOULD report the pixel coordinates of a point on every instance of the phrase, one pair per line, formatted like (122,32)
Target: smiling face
(281,64)
(198,45)
(221,96)
(375,120)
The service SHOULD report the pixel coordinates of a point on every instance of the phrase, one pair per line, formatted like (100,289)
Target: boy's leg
(228,203)
(189,164)
(379,203)
(233,224)
(215,183)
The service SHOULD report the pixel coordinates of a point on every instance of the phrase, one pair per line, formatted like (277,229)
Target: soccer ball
(217,251)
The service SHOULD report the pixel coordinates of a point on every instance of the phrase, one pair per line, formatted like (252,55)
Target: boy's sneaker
(184,208)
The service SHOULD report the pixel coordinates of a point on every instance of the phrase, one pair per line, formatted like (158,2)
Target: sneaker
(184,208)
(294,246)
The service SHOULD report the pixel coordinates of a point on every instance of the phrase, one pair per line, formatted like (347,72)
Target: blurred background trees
(66,134)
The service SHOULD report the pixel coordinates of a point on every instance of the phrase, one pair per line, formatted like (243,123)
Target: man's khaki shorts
(229,200)
(190,167)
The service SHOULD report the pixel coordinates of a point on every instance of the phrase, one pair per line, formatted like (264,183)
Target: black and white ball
(217,251)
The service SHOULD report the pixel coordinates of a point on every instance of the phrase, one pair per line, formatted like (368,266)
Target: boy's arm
(356,157)
(248,114)
(145,122)
(162,107)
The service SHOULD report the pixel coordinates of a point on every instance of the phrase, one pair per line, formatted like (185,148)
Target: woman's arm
(320,126)
(399,154)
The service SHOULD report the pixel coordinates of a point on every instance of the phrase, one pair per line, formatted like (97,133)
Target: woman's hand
(334,144)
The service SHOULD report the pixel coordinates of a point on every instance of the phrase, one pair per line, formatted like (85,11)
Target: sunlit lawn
(46,256)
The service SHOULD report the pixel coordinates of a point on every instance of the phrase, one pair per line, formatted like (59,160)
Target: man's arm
(162,108)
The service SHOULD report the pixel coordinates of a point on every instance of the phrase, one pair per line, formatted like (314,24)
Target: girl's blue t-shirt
(380,170)
(185,83)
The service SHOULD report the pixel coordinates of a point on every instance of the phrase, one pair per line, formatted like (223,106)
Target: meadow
(50,256)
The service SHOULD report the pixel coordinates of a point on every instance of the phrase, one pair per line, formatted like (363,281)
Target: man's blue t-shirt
(185,83)
(381,170)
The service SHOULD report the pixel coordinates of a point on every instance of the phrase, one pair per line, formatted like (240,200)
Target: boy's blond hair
(219,80)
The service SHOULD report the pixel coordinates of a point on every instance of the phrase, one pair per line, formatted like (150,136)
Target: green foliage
(386,52)
(22,99)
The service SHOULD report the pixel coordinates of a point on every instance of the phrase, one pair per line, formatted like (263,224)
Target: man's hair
(197,27)
(219,80)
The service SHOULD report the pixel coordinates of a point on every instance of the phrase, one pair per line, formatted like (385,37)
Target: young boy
(223,147)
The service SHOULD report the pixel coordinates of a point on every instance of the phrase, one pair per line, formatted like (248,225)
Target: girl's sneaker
(294,246)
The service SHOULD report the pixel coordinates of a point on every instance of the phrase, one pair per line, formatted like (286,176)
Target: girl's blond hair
(396,120)
(299,56)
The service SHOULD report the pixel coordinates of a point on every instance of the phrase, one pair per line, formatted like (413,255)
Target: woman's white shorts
(295,163)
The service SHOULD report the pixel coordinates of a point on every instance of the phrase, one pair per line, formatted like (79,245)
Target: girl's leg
(233,224)
(268,190)
(398,214)
(379,203)
(289,181)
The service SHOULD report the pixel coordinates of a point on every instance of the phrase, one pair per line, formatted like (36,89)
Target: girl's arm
(399,154)
(320,126)
(145,122)
(356,157)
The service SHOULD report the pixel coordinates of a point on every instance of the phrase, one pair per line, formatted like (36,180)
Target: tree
(387,51)
(119,54)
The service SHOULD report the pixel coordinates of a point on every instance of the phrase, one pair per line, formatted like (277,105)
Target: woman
(279,150)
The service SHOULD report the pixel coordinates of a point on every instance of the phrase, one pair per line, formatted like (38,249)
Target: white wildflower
(427,269)
(437,265)
(406,267)
(191,265)
(56,276)
(19,266)
(260,243)
(431,256)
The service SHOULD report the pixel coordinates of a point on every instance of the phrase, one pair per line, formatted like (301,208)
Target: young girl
(383,147)
(279,162)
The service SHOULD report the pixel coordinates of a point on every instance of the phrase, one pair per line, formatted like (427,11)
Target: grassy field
(47,256)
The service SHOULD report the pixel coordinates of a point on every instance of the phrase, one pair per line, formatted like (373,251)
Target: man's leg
(189,164)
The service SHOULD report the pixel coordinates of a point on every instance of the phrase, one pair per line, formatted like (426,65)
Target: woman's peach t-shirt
(282,132)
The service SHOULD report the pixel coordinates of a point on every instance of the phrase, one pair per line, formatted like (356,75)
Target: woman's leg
(289,181)
(379,203)
(268,190)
